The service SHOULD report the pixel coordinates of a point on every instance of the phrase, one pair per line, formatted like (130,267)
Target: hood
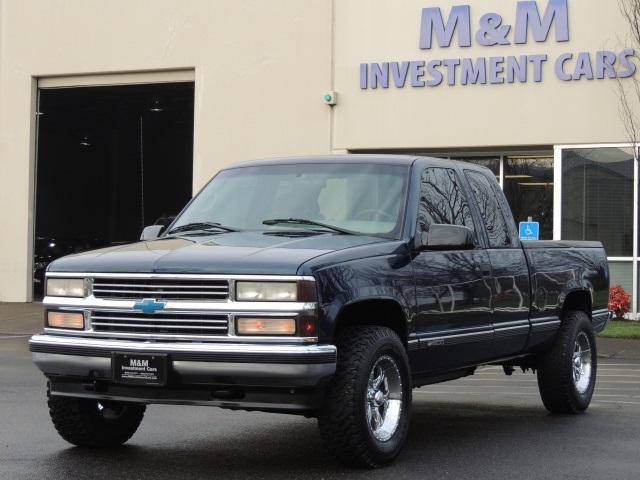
(236,253)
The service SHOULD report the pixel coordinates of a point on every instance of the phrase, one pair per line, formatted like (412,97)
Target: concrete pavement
(21,318)
(27,319)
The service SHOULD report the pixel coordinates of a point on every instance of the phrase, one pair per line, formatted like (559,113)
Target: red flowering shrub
(619,301)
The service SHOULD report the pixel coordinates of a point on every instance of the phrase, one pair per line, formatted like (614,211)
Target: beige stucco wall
(545,113)
(261,68)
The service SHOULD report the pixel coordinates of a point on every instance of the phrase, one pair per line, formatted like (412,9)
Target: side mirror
(152,232)
(446,237)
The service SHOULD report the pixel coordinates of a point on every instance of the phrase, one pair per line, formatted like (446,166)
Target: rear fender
(576,295)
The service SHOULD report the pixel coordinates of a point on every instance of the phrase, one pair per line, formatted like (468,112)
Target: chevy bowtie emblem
(149,305)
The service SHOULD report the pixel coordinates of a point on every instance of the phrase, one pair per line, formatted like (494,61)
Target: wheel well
(578,300)
(383,313)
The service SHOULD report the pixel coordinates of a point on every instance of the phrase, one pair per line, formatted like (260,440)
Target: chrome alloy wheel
(582,363)
(384,398)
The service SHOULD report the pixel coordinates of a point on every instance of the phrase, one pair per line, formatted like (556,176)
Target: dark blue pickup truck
(323,286)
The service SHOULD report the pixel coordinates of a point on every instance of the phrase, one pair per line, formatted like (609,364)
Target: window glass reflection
(490,210)
(597,198)
(442,201)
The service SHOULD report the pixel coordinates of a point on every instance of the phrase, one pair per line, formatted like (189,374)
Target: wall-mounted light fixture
(156,104)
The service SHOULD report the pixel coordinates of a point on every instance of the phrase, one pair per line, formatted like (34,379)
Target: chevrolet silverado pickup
(323,286)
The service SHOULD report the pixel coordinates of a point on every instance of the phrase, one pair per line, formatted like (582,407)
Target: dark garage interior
(110,160)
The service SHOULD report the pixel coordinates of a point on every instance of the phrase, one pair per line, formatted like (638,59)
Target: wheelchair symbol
(529,230)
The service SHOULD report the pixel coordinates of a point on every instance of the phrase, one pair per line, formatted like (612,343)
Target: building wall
(482,115)
(261,68)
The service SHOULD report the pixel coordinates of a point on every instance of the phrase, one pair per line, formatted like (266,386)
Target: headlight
(302,291)
(65,320)
(65,287)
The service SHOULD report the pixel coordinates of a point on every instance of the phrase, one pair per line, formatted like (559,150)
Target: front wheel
(94,423)
(567,372)
(367,407)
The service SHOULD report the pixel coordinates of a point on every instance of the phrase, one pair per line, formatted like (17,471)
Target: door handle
(485,270)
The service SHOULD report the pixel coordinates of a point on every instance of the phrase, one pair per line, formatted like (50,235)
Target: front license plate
(140,369)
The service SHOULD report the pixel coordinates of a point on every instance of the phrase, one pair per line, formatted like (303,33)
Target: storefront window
(597,198)
(621,273)
(528,186)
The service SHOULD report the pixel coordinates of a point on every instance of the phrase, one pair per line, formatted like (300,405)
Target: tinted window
(442,200)
(492,216)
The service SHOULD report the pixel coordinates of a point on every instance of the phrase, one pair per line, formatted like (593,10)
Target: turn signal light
(308,326)
(65,320)
(266,326)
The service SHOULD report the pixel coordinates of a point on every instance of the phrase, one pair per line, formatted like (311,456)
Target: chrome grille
(160,323)
(161,288)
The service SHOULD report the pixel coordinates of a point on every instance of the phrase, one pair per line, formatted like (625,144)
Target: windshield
(367,199)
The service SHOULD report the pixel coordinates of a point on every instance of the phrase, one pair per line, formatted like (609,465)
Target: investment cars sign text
(493,30)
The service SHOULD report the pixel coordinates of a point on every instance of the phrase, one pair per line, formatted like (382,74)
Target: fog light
(65,320)
(266,326)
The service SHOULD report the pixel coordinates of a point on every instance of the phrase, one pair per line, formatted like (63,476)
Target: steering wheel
(371,211)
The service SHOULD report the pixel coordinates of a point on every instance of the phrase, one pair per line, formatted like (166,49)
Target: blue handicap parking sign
(529,230)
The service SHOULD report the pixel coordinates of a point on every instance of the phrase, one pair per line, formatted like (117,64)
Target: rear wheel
(567,372)
(365,416)
(92,423)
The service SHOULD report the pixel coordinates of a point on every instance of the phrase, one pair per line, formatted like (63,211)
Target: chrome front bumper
(83,367)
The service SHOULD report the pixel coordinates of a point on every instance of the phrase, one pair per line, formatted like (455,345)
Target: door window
(442,200)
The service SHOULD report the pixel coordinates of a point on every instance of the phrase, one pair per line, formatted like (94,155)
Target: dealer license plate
(140,369)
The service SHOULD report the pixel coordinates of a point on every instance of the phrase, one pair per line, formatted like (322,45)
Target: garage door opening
(110,160)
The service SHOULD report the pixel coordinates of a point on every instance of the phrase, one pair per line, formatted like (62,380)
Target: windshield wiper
(304,221)
(203,226)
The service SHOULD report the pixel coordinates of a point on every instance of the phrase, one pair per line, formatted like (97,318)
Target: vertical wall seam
(332,75)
